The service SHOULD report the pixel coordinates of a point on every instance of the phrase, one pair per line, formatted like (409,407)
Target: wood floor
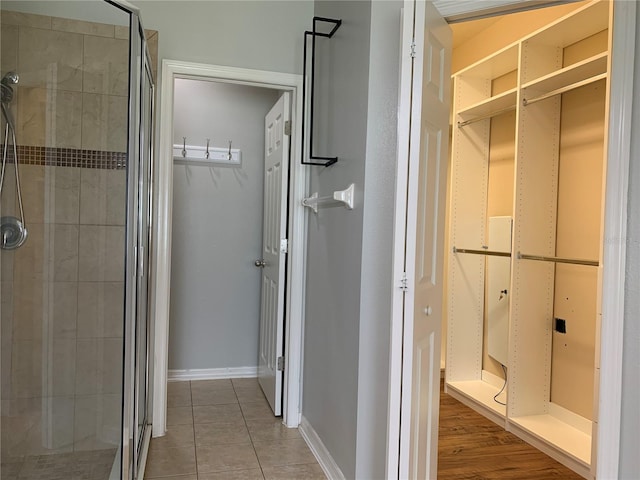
(472,447)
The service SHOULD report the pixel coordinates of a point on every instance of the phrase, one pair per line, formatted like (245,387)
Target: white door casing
(274,249)
(425,214)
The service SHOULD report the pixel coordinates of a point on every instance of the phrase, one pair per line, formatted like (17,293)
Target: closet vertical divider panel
(535,210)
(475,103)
(469,178)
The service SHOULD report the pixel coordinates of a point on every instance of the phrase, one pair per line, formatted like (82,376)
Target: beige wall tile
(64,185)
(101,253)
(30,420)
(49,117)
(60,373)
(99,366)
(106,66)
(96,422)
(63,309)
(104,122)
(32,179)
(103,197)
(31,259)
(100,309)
(6,337)
(25,19)
(9,48)
(26,368)
(122,32)
(50,59)
(79,26)
(64,257)
(28,309)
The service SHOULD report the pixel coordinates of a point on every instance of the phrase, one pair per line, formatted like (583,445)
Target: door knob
(260,263)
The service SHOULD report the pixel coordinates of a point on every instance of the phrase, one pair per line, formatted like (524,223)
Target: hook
(206,155)
(229,157)
(184,147)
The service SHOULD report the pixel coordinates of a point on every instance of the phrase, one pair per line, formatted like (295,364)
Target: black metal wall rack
(313,159)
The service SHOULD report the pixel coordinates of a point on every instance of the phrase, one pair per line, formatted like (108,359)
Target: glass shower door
(63,289)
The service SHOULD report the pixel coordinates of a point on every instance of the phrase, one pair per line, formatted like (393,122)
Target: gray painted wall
(377,244)
(217,228)
(629,454)
(332,324)
(262,35)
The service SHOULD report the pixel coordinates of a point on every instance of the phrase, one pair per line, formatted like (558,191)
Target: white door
(428,152)
(274,249)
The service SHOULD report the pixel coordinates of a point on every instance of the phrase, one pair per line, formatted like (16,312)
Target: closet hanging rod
(488,253)
(574,261)
(560,90)
(487,115)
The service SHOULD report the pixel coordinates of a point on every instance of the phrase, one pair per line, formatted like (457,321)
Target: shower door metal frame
(139,60)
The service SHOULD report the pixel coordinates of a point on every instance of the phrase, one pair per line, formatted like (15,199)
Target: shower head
(11,78)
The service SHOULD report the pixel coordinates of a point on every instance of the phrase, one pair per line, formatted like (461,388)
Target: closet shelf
(573,76)
(488,108)
(569,439)
(480,392)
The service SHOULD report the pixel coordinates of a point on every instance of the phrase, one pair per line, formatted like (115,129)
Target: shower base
(89,465)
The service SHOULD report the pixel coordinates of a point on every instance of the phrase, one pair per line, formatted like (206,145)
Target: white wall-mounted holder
(339,197)
(197,154)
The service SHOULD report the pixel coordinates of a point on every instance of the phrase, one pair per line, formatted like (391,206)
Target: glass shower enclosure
(75,220)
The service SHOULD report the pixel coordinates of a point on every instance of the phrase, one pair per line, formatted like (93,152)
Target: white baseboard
(212,373)
(326,461)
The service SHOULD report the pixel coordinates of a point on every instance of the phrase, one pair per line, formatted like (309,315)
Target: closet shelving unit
(531,76)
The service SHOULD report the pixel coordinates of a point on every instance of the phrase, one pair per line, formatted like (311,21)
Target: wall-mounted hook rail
(339,197)
(313,159)
(206,155)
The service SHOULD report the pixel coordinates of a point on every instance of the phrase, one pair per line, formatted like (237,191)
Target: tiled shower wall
(63,291)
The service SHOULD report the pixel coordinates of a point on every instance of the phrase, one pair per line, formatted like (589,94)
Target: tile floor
(224,429)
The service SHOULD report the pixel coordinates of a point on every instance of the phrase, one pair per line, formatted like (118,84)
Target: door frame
(615,234)
(296,229)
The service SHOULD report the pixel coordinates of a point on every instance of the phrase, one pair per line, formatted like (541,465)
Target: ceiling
(457,10)
(463,31)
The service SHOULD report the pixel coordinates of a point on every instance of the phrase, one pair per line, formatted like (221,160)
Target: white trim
(211,373)
(615,235)
(399,239)
(172,69)
(326,461)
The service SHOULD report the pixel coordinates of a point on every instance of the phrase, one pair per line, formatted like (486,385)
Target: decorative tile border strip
(70,157)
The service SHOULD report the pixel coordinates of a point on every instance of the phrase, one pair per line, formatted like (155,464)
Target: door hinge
(284,245)
(287,127)
(280,363)
(404,282)
(412,51)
